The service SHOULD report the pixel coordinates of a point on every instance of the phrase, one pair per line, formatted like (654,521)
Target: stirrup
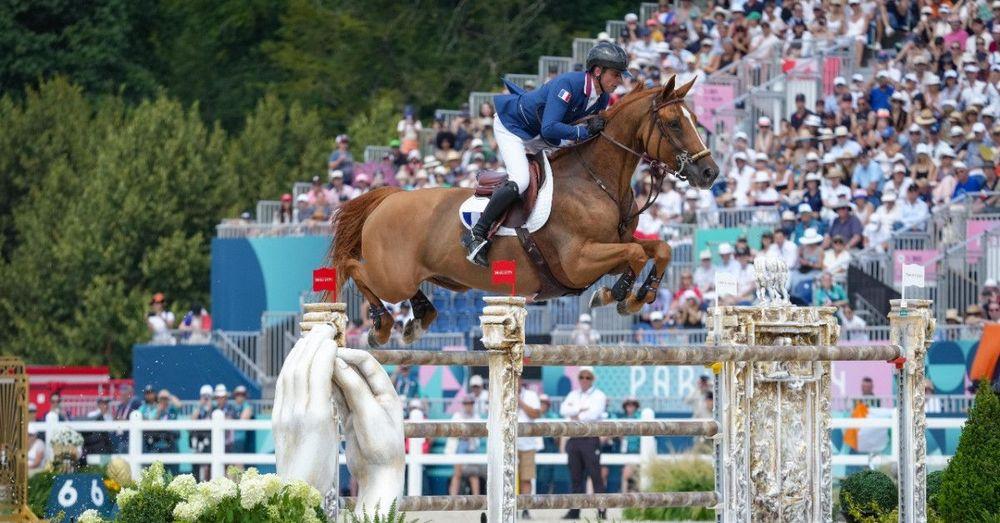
(477,248)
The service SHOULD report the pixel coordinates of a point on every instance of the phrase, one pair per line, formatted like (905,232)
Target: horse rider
(546,112)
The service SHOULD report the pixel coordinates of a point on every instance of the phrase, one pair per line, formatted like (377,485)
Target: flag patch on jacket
(564,95)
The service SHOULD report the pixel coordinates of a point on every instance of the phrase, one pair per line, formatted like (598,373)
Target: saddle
(517,214)
(546,262)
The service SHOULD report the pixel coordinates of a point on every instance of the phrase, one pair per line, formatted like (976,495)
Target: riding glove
(595,125)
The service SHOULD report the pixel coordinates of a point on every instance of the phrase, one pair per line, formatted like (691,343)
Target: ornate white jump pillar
(503,335)
(334,314)
(912,328)
(773,460)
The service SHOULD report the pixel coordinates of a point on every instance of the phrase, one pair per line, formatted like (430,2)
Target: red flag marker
(504,272)
(325,279)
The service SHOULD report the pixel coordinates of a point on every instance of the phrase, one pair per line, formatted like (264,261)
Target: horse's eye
(675,125)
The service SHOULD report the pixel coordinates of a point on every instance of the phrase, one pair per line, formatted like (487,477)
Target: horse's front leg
(661,254)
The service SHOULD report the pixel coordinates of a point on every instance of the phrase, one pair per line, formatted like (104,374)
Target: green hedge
(690,474)
(970,486)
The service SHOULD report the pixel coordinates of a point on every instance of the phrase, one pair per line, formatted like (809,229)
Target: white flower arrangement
(252,496)
(67,437)
(183,485)
(90,516)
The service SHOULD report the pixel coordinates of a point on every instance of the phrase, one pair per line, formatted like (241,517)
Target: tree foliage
(111,203)
(132,127)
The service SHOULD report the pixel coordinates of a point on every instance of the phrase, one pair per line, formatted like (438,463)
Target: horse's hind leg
(382,319)
(424,314)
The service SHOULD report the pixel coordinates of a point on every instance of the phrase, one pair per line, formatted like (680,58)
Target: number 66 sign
(72,494)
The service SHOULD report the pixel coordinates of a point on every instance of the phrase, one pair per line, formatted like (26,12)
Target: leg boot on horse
(424,314)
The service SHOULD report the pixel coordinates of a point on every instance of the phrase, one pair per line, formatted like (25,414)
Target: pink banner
(709,98)
(846,376)
(974,228)
(911,257)
(831,70)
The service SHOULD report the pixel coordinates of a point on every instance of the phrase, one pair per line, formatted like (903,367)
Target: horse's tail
(347,224)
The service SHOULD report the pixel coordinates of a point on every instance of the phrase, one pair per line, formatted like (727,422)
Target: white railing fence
(416,460)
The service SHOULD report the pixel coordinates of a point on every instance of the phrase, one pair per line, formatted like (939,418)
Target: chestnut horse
(390,240)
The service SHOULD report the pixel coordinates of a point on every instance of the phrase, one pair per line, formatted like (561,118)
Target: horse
(389,240)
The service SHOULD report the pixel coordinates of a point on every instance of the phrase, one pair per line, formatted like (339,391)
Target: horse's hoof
(622,308)
(600,297)
(412,332)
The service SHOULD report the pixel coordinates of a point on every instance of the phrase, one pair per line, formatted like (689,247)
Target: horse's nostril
(709,173)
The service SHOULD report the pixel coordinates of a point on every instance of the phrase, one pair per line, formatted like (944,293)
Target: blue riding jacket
(548,110)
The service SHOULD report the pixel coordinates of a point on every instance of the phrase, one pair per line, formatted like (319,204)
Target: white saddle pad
(470,209)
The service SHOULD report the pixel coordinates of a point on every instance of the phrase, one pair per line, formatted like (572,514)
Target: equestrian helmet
(609,55)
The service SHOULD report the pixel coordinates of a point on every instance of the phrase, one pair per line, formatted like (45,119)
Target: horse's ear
(639,86)
(668,88)
(682,91)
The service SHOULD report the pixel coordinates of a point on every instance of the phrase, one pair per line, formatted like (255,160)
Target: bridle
(658,169)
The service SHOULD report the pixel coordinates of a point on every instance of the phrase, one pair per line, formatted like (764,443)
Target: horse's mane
(636,94)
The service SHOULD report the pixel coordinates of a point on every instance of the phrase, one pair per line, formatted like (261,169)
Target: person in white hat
(477,390)
(976,146)
(965,182)
(844,143)
(835,190)
(763,193)
(727,263)
(584,403)
(704,274)
(810,263)
(742,175)
(221,396)
(200,441)
(897,180)
(670,203)
(807,220)
(766,141)
(883,221)
(584,332)
(36,455)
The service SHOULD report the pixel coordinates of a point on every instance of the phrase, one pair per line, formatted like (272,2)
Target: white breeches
(512,152)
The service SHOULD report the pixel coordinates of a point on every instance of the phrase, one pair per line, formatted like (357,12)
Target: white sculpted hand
(373,428)
(306,434)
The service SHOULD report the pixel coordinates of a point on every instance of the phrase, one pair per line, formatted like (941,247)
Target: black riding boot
(475,242)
